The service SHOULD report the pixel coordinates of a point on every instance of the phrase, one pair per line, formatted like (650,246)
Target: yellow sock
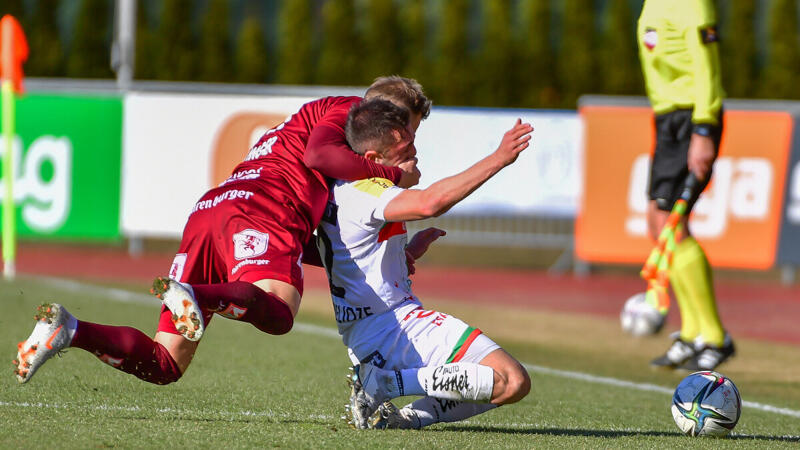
(692,282)
(690,327)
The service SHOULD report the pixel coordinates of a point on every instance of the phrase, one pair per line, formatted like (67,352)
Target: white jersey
(363,254)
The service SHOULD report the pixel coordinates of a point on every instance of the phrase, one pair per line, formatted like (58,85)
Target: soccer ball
(639,318)
(706,404)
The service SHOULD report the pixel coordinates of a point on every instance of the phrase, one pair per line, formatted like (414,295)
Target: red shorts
(238,232)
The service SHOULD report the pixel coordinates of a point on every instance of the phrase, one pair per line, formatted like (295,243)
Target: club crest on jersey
(249,243)
(650,38)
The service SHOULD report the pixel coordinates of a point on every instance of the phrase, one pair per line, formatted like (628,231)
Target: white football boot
(53,332)
(678,353)
(369,387)
(390,417)
(708,356)
(179,298)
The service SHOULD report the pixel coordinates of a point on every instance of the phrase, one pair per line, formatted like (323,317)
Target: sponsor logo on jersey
(236,135)
(233,194)
(249,262)
(249,174)
(346,314)
(233,312)
(650,38)
(709,34)
(262,149)
(176,269)
(420,313)
(373,186)
(249,243)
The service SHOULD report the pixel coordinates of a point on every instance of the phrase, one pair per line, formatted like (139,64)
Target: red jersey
(312,137)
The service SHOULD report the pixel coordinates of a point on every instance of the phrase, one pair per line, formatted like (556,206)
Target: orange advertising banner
(737,218)
(232,141)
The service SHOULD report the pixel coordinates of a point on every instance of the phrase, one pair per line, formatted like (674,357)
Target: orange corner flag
(13,51)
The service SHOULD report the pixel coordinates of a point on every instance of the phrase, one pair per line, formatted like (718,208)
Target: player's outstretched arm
(415,204)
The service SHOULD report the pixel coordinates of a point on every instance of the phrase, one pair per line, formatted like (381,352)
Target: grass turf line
(246,389)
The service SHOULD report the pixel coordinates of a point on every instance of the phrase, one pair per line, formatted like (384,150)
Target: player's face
(413,122)
(403,149)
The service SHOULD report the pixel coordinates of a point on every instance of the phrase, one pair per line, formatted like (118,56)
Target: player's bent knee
(518,385)
(178,349)
(167,377)
(284,327)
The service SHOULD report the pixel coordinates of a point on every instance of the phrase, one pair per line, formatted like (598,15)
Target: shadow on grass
(603,433)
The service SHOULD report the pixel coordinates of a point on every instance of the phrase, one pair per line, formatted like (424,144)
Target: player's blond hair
(400,91)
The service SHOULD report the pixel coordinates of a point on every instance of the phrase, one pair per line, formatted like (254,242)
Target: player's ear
(372,155)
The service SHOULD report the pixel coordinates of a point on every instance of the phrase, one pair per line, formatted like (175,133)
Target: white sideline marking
(171,411)
(644,387)
(121,295)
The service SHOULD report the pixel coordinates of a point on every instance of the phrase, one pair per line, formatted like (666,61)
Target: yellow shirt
(679,53)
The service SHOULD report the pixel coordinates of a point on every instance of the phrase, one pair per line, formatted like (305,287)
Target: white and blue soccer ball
(706,404)
(640,318)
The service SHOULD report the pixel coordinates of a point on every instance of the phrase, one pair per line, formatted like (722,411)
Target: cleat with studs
(367,391)
(389,416)
(53,332)
(179,299)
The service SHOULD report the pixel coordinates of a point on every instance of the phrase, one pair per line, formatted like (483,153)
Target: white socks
(429,410)
(461,381)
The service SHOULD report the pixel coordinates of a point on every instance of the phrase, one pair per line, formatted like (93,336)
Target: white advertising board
(172,146)
(545,179)
(168,146)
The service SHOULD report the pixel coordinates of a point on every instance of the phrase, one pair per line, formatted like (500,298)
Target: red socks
(128,350)
(132,351)
(239,300)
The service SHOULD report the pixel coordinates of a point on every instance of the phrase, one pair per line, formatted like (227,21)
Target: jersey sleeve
(327,152)
(369,199)
(702,42)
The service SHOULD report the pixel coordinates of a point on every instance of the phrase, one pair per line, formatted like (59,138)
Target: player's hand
(419,244)
(410,263)
(411,173)
(701,156)
(514,141)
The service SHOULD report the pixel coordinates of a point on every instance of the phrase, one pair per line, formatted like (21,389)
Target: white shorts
(410,337)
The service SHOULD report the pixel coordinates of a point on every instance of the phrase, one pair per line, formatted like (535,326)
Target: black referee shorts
(669,167)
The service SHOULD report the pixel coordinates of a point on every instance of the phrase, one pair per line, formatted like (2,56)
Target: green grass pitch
(246,389)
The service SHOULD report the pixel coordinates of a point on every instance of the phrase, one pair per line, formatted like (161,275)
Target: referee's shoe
(679,353)
(708,356)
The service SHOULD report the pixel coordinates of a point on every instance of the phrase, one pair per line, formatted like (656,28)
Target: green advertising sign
(67,155)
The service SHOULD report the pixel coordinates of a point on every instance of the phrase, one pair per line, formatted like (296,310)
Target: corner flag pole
(13,51)
(9,219)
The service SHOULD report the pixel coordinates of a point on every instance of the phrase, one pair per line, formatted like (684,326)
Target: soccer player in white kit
(398,347)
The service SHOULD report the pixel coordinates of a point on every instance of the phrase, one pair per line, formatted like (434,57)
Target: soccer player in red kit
(242,247)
